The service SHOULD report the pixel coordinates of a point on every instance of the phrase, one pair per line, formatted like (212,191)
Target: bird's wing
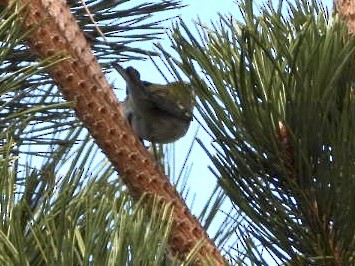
(170,105)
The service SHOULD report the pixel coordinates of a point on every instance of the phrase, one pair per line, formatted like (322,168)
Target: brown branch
(82,81)
(346,10)
(287,152)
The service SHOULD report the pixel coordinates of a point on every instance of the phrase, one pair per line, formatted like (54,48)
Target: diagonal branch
(82,81)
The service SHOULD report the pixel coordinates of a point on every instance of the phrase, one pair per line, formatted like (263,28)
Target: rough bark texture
(346,9)
(81,80)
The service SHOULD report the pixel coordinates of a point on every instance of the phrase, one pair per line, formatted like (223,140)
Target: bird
(157,113)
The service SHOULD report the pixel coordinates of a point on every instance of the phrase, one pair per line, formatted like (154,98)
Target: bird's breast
(157,127)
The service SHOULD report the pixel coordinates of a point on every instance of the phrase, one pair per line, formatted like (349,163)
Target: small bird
(157,113)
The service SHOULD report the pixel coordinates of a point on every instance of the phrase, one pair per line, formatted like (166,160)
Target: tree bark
(346,10)
(82,81)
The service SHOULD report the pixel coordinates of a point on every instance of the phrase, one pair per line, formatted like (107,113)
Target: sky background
(201,181)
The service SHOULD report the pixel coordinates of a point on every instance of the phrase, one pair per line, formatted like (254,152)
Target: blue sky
(201,181)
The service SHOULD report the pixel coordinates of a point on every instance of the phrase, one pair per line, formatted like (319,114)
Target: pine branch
(274,96)
(81,81)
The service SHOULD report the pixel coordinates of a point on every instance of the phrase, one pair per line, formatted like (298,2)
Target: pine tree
(60,205)
(274,93)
